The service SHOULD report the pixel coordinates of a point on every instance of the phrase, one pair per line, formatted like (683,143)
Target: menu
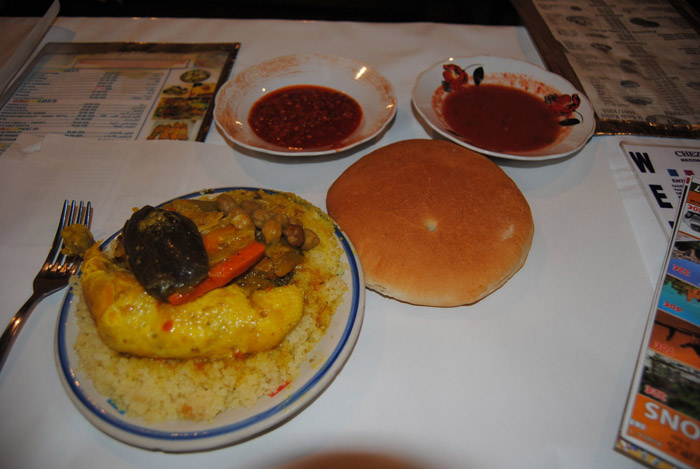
(661,423)
(662,171)
(117,91)
(636,60)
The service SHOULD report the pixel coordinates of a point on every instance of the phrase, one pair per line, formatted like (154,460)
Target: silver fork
(53,275)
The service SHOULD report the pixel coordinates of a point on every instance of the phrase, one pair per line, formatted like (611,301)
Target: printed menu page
(636,60)
(117,91)
(661,423)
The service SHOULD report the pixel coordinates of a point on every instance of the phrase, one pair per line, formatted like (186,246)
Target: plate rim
(305,153)
(443,132)
(208,437)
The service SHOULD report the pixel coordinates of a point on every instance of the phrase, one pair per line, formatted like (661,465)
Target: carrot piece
(200,289)
(215,238)
(222,273)
(279,389)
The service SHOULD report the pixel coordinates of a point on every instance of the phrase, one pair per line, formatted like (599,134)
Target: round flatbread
(433,223)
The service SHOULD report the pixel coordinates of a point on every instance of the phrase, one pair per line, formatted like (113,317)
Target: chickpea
(311,239)
(272,231)
(237,211)
(242,221)
(225,203)
(250,206)
(294,235)
(260,216)
(281,217)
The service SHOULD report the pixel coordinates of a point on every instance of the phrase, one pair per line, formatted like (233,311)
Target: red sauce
(305,117)
(500,118)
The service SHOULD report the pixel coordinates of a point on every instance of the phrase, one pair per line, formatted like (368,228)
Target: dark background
(486,12)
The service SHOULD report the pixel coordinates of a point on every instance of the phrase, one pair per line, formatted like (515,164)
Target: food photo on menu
(281,252)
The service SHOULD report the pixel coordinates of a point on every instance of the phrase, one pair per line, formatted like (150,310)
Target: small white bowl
(372,91)
(428,95)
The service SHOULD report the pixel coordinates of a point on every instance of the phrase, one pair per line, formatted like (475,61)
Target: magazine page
(661,424)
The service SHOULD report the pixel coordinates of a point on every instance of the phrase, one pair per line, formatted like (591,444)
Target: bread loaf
(433,223)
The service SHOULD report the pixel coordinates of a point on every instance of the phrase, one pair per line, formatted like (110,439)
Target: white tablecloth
(535,375)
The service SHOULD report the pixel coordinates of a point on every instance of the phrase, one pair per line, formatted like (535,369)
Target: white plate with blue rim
(576,127)
(235,425)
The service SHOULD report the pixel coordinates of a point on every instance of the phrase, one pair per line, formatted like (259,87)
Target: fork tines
(73,212)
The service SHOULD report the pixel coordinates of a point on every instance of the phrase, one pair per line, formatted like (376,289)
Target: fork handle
(15,325)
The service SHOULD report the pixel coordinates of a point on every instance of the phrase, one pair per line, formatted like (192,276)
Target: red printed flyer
(661,424)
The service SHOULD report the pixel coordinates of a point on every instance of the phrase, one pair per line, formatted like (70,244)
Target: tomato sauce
(305,117)
(500,118)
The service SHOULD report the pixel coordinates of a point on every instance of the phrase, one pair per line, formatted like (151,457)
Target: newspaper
(638,61)
(661,423)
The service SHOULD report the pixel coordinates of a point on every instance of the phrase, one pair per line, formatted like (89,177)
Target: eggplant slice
(165,251)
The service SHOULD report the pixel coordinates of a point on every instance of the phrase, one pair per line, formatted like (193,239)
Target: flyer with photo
(661,423)
(662,171)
